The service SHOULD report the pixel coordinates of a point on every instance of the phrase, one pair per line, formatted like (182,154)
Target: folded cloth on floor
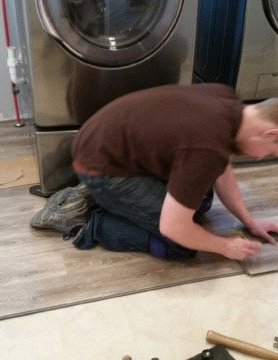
(84,239)
(65,210)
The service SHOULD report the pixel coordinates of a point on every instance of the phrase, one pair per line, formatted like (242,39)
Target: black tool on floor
(214,353)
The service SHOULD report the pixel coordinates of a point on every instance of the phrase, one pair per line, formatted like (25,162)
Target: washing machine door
(110,33)
(271,12)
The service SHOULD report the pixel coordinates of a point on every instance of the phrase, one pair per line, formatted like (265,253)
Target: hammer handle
(240,346)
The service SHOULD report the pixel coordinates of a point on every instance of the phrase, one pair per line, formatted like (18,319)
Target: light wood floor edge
(127,293)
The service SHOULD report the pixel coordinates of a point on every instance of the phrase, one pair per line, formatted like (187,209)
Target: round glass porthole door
(271,12)
(110,33)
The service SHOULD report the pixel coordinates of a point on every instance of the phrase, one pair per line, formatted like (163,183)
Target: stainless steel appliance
(237,44)
(85,53)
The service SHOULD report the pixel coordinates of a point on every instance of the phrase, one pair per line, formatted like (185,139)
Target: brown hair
(268,109)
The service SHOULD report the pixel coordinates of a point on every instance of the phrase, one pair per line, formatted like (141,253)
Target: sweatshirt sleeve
(193,173)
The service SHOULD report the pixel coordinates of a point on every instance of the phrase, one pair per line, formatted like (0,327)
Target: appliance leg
(36,190)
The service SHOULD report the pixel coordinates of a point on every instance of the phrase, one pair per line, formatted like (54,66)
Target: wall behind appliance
(7,111)
(17,33)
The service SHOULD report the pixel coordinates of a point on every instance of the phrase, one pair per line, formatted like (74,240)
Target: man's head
(268,110)
(258,134)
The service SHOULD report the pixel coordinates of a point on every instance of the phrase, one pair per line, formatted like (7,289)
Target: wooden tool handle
(240,346)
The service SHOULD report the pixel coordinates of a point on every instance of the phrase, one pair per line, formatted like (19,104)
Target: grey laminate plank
(38,270)
(259,188)
(15,141)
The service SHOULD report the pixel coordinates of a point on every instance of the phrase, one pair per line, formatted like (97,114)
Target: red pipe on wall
(8,43)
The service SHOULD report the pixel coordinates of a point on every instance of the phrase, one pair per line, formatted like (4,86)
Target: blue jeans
(127,218)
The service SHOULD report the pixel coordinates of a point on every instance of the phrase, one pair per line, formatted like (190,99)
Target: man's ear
(271,133)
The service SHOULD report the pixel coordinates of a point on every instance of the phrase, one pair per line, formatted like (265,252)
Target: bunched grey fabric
(65,210)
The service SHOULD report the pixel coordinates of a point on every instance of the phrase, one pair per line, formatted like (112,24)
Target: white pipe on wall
(14,65)
(7,111)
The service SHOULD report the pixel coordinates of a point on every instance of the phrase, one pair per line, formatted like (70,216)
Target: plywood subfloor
(18,164)
(18,171)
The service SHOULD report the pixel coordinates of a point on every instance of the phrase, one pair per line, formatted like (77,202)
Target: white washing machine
(85,53)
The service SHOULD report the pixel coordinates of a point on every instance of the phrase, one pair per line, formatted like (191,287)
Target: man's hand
(262,229)
(241,249)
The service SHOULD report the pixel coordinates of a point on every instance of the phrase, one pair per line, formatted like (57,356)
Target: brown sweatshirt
(183,135)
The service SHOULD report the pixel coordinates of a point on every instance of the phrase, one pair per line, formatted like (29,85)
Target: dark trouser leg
(116,233)
(129,218)
(113,232)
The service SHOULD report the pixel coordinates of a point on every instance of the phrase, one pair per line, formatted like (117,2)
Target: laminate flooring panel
(259,186)
(39,271)
(16,141)
(265,262)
